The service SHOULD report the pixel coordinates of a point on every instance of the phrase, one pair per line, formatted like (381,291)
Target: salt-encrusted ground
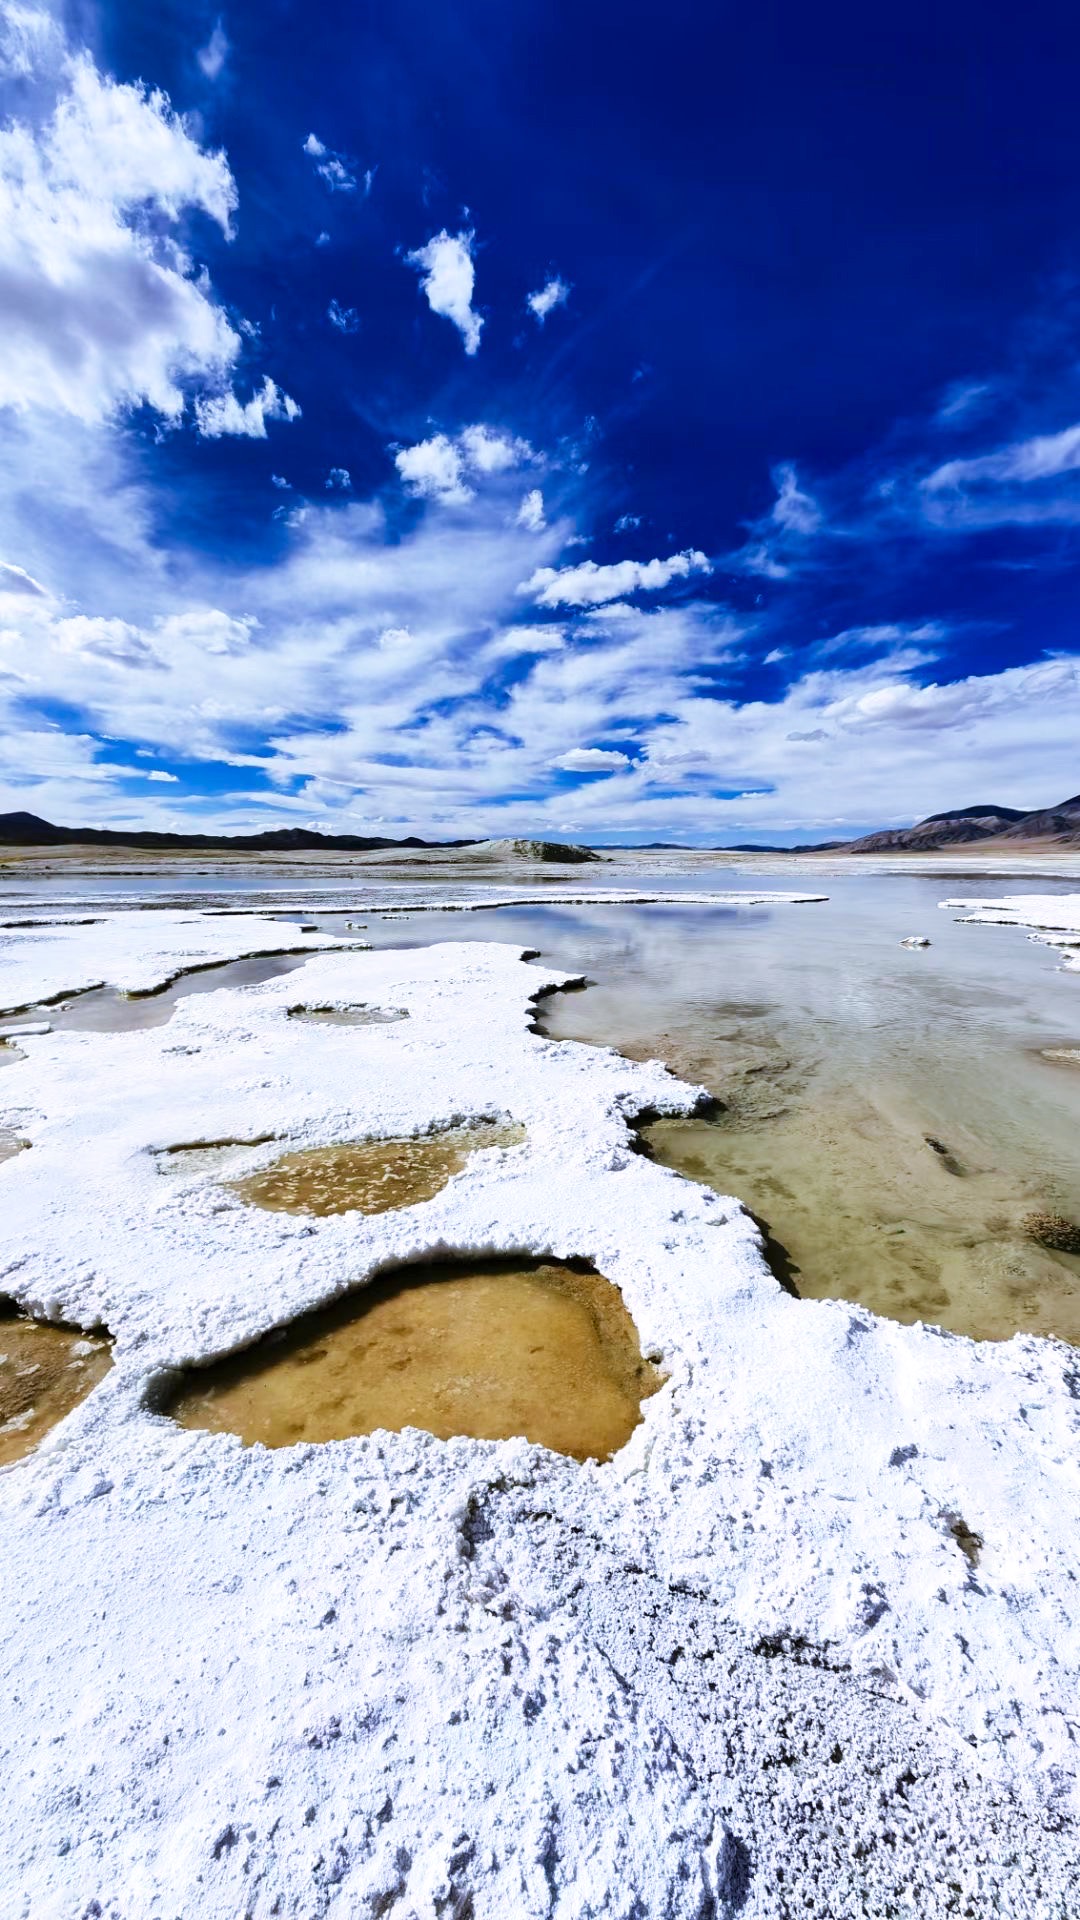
(134,952)
(744,1668)
(1053,918)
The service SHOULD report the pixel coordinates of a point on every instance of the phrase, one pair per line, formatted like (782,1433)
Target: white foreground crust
(392,1675)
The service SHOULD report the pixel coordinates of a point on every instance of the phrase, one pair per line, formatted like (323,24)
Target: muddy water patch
(371,1176)
(45,1371)
(489,1350)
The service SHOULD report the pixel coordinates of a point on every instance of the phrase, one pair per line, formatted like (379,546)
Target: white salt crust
(133,952)
(743,1669)
(1053,918)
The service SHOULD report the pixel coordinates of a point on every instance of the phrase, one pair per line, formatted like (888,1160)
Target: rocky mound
(550,850)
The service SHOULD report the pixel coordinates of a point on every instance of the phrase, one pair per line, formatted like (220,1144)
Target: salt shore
(809,1643)
(1052,918)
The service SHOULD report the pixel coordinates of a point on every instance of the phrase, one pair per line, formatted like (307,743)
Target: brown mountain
(986,827)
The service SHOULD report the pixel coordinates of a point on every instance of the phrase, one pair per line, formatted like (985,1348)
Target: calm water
(888,1113)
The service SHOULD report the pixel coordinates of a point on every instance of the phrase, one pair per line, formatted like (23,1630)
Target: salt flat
(757,1654)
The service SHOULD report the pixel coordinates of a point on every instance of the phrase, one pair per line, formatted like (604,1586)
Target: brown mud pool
(44,1372)
(486,1349)
(371,1176)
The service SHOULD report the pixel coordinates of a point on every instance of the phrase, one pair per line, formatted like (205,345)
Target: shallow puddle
(349,1016)
(486,1349)
(371,1176)
(105,1010)
(44,1372)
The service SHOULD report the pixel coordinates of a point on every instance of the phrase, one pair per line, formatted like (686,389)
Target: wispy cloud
(345,319)
(337,169)
(213,55)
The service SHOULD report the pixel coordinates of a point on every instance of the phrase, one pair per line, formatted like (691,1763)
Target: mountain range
(988,827)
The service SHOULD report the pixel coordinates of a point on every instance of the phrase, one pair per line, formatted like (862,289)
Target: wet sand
(486,1349)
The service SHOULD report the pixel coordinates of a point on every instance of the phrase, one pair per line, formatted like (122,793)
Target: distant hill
(984,826)
(27,830)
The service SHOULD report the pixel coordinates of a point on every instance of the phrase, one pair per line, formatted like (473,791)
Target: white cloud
(213,56)
(589,584)
(338,171)
(435,470)
(339,480)
(225,414)
(519,641)
(530,514)
(489,452)
(115,642)
(101,308)
(627,522)
(447,266)
(1021,463)
(554,293)
(156,775)
(345,319)
(16,580)
(592,760)
(794,509)
(278,480)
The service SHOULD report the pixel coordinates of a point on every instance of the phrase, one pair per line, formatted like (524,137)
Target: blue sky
(610,423)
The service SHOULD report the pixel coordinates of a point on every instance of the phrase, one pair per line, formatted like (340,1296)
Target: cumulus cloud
(436,469)
(554,293)
(592,760)
(446,263)
(213,56)
(223,413)
(339,480)
(101,306)
(530,514)
(627,522)
(487,451)
(589,584)
(160,776)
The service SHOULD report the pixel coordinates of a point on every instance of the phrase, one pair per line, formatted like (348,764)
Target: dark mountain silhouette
(27,830)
